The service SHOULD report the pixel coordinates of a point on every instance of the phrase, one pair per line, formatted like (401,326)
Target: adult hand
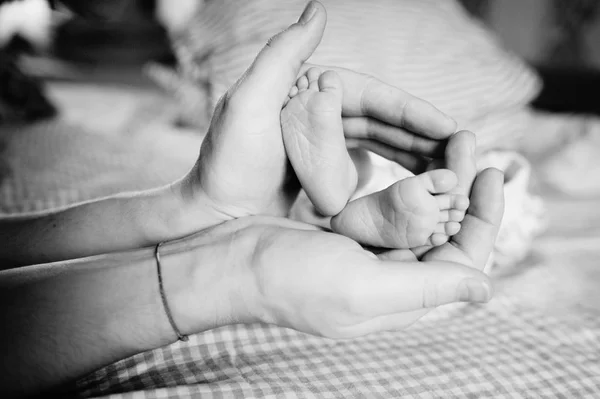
(288,273)
(243,168)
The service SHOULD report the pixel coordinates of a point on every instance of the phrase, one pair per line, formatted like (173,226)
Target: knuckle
(364,95)
(275,38)
(370,128)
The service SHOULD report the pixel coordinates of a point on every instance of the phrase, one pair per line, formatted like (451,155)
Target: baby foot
(413,212)
(313,135)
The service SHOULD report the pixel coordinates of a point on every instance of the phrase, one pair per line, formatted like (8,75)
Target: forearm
(60,321)
(108,225)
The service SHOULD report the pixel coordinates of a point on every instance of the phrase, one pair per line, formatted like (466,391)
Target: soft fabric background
(433,49)
(107,140)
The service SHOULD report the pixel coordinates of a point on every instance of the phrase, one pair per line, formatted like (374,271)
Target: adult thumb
(276,67)
(406,286)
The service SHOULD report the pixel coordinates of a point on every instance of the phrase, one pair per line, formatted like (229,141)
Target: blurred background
(111,40)
(561,38)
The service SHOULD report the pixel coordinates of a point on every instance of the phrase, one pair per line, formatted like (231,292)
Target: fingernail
(472,290)
(309,12)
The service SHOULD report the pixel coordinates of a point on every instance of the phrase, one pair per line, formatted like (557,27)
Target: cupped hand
(282,272)
(243,169)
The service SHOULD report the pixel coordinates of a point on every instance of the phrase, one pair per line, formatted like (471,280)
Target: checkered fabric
(499,350)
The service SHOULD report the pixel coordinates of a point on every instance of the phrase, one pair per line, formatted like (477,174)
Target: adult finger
(373,129)
(276,67)
(365,95)
(460,158)
(390,287)
(480,226)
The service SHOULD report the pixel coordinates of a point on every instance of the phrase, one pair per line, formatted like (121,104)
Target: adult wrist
(167,213)
(180,210)
(202,279)
(179,259)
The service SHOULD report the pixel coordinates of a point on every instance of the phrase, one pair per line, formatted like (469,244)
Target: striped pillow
(430,48)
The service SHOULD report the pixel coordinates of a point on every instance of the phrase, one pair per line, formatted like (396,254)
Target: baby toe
(444,201)
(451,215)
(313,84)
(302,83)
(438,239)
(330,81)
(452,228)
(452,201)
(444,216)
(447,228)
(454,215)
(313,74)
(293,91)
(438,181)
(461,202)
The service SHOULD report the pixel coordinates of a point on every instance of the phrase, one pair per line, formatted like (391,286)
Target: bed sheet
(538,338)
(501,350)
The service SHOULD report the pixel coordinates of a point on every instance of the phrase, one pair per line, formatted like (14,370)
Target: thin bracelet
(180,336)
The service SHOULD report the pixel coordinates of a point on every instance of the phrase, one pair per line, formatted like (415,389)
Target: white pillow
(430,48)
